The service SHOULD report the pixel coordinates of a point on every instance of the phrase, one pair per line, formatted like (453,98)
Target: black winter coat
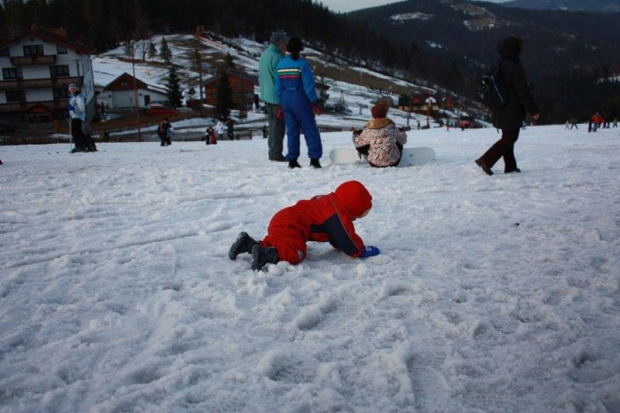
(511,116)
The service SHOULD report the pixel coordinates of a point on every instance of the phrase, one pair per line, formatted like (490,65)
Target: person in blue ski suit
(296,95)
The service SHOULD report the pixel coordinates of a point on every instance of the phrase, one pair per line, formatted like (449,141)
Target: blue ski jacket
(295,75)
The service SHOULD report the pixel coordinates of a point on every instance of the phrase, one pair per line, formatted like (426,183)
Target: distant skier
(210,136)
(573,124)
(230,131)
(323,218)
(163,131)
(596,121)
(169,133)
(88,137)
(220,128)
(77,113)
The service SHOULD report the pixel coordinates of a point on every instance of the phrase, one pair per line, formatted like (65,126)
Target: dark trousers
(275,140)
(76,132)
(503,148)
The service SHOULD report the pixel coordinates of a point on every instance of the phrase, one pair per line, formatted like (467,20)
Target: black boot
(315,163)
(294,164)
(243,243)
(262,256)
(484,167)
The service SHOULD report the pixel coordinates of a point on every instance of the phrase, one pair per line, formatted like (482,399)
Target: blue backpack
(492,91)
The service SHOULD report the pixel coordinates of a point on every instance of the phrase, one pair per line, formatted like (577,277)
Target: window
(60,49)
(39,118)
(59,71)
(15,96)
(60,93)
(33,50)
(12,73)
(5,52)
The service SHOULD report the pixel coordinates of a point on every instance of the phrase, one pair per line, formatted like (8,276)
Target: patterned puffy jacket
(382,137)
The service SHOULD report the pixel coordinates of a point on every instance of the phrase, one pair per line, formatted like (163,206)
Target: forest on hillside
(106,24)
(570,92)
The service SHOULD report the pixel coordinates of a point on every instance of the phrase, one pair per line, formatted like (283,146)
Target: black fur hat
(294,45)
(511,46)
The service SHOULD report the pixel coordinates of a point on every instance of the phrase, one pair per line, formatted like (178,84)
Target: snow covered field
(498,294)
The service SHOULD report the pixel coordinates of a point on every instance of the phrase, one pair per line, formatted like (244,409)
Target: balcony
(25,106)
(33,60)
(39,83)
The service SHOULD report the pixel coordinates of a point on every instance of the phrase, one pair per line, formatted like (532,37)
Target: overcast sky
(343,6)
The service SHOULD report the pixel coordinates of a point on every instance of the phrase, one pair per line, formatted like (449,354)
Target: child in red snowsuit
(324,218)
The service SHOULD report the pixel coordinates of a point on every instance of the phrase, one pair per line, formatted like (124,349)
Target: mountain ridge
(568,5)
(566,53)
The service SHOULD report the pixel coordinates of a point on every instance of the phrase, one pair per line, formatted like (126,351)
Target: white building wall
(123,99)
(79,65)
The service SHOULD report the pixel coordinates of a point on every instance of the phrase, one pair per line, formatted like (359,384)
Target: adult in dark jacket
(510,118)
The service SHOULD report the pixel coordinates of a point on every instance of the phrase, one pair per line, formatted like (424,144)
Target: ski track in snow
(491,293)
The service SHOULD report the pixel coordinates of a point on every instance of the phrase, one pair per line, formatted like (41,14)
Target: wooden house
(37,67)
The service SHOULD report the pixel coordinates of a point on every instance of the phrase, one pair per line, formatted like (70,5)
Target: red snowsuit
(324,218)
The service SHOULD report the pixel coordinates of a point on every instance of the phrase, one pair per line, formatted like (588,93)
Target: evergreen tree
(152,52)
(165,52)
(172,83)
(129,48)
(229,62)
(4,33)
(224,100)
(37,12)
(141,29)
(197,60)
(15,17)
(142,47)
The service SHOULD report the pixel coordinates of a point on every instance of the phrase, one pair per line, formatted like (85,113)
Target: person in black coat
(510,118)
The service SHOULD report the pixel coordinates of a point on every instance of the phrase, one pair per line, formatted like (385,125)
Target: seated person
(380,140)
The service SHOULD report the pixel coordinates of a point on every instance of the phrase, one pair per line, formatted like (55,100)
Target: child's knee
(291,255)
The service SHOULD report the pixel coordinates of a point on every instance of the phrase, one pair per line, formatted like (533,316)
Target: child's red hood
(355,197)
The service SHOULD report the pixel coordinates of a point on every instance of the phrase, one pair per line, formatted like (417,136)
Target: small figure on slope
(77,114)
(323,218)
(210,136)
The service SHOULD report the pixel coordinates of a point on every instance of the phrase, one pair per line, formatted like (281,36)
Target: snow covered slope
(491,293)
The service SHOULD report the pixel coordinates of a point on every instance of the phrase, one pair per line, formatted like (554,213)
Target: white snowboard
(411,156)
